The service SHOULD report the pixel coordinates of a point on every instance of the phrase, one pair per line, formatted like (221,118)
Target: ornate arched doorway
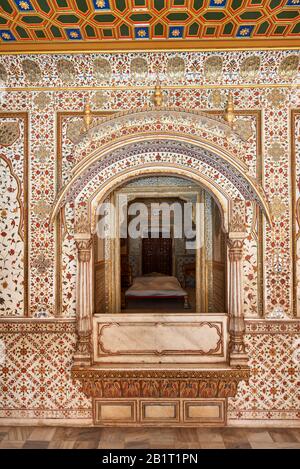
(201,149)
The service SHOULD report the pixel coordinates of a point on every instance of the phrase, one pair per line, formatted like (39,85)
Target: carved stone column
(84,302)
(237,350)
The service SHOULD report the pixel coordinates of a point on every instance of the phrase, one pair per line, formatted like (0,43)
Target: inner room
(151,262)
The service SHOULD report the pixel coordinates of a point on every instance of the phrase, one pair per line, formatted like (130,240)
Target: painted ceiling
(81,24)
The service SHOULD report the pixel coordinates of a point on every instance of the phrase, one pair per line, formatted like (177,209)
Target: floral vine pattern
(35,384)
(11,245)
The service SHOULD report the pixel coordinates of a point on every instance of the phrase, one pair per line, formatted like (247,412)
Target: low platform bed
(156,286)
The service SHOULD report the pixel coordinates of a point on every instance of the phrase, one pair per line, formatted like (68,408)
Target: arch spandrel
(190,125)
(108,143)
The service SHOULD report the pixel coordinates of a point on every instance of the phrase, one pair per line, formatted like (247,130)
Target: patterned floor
(147,438)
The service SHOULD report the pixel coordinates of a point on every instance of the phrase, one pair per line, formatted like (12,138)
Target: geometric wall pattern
(273,390)
(36,373)
(36,380)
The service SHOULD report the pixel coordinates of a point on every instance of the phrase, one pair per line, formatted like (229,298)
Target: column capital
(235,246)
(84,249)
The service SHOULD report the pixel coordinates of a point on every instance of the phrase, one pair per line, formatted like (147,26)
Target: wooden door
(157,255)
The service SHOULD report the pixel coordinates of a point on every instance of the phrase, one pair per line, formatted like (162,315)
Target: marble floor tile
(10,444)
(259,436)
(19,433)
(280,436)
(42,434)
(85,444)
(147,438)
(56,444)
(33,444)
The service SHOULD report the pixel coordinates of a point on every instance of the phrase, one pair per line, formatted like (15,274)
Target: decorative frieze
(96,382)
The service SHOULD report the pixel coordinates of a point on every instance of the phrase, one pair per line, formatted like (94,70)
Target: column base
(236,359)
(80,360)
(82,356)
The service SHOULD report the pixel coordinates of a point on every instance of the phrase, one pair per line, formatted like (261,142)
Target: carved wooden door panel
(157,255)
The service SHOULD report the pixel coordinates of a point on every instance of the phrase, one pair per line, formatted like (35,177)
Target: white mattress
(159,286)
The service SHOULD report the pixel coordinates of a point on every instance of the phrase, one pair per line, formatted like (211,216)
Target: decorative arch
(190,144)
(154,169)
(207,140)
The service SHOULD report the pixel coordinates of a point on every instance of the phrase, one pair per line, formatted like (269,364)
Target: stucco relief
(114,69)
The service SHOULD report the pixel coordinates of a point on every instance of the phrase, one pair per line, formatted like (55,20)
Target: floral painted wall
(41,103)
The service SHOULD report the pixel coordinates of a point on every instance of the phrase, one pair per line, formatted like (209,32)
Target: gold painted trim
(92,381)
(209,86)
(25,117)
(123,46)
(293,163)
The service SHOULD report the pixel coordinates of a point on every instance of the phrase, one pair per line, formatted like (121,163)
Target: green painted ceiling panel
(124,30)
(90,31)
(158,29)
(68,19)
(251,15)
(55,31)
(39,33)
(178,16)
(120,5)
(228,28)
(159,4)
(22,32)
(214,15)
(262,29)
(139,17)
(198,4)
(193,29)
(32,19)
(82,5)
(43,4)
(105,18)
(6,6)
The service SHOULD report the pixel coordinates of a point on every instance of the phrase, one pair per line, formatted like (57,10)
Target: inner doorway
(157,254)
(157,271)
